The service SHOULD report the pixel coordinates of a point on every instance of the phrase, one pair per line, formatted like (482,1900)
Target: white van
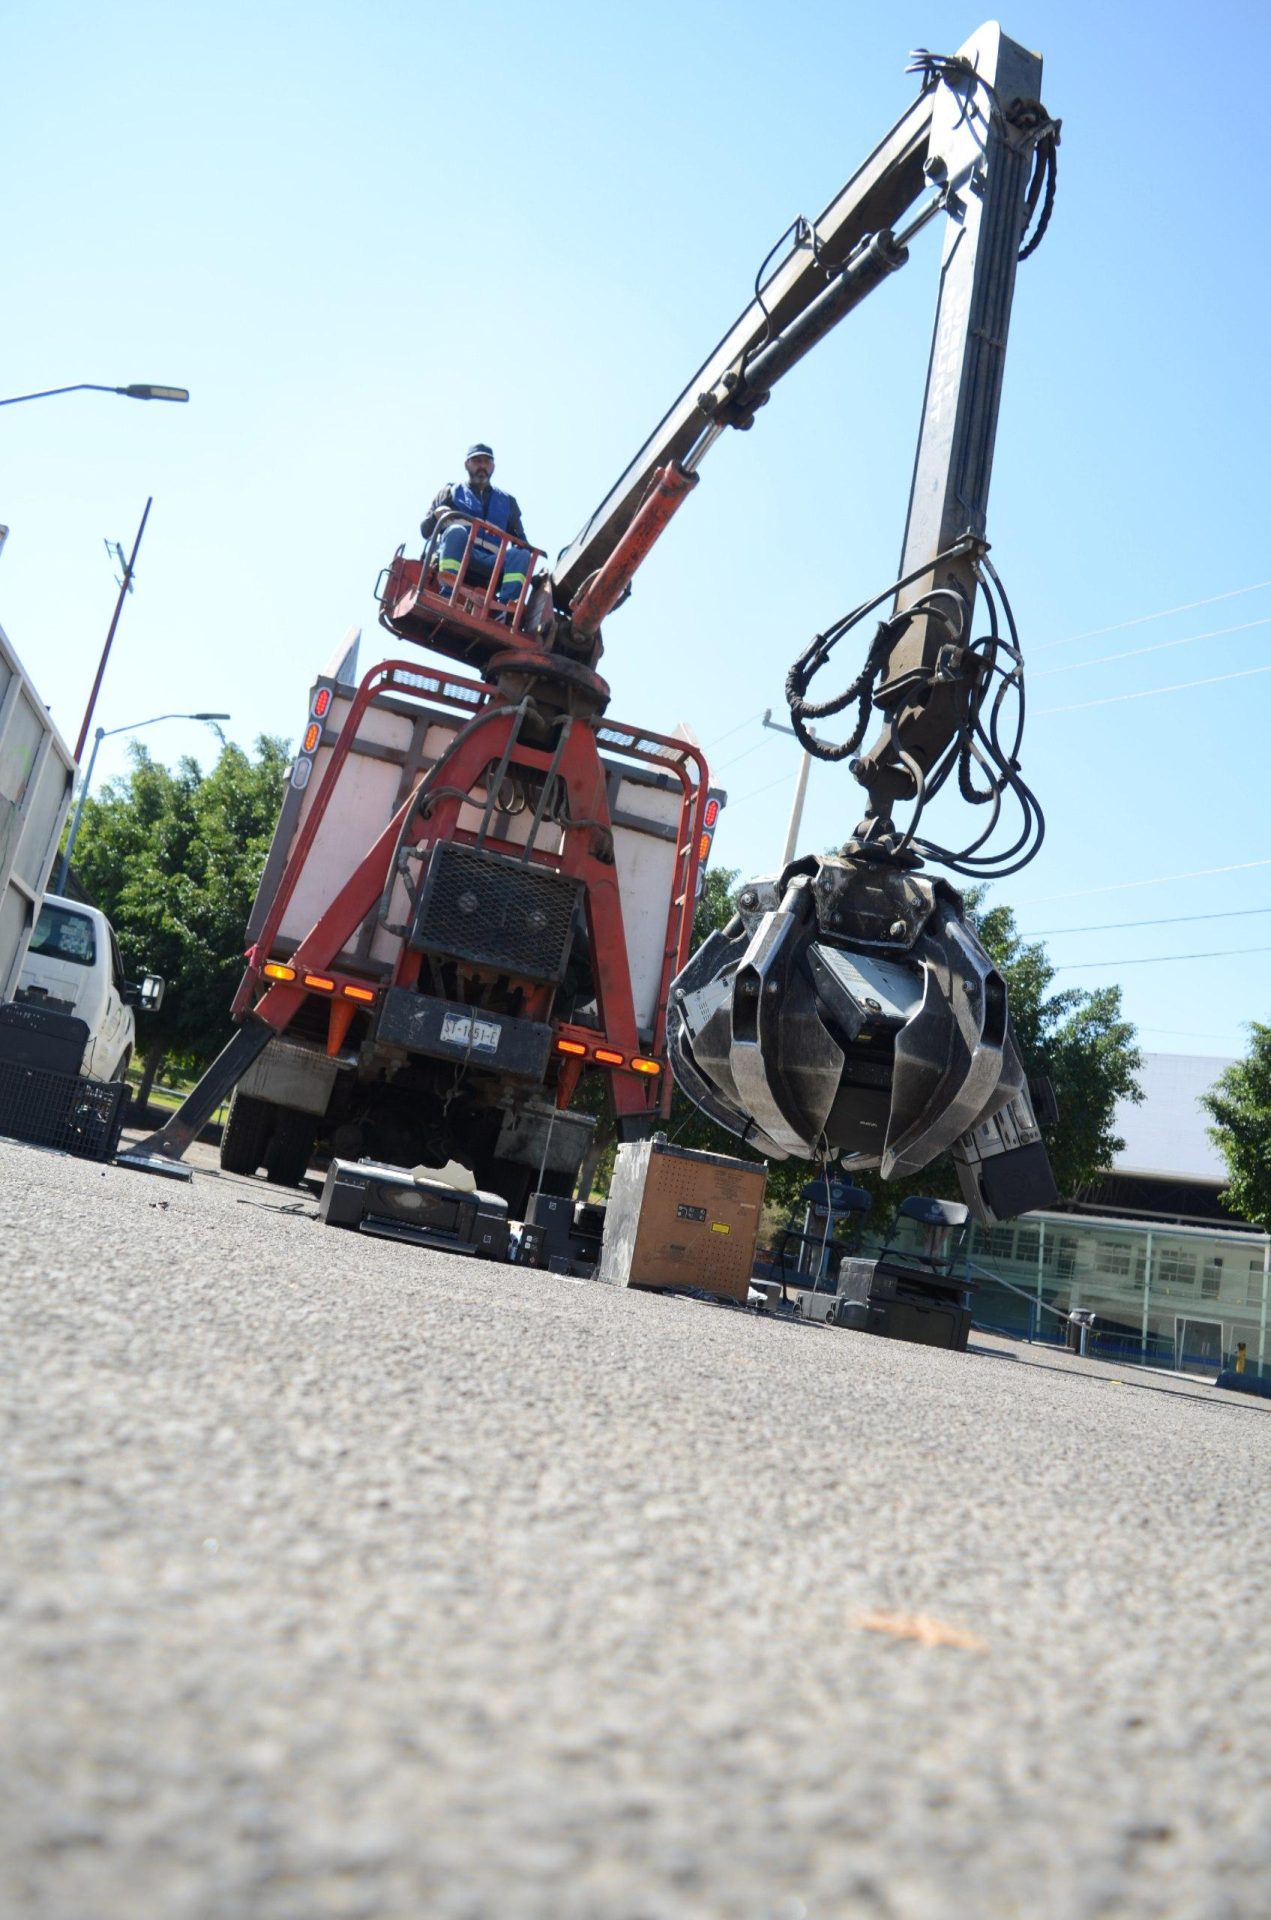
(73,966)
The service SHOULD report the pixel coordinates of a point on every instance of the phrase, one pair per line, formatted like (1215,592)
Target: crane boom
(849,1009)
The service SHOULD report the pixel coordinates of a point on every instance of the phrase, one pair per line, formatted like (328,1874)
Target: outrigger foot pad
(153,1163)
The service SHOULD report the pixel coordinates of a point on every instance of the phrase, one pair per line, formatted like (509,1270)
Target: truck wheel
(290,1144)
(245,1135)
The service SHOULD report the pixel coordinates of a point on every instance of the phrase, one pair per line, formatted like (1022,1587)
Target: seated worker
(476,499)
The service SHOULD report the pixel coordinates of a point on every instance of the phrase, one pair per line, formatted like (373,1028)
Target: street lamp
(104,733)
(139,391)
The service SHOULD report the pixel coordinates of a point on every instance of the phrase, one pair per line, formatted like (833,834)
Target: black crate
(495,912)
(35,1036)
(61,1110)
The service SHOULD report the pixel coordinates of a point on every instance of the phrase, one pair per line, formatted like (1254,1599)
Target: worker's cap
(479,450)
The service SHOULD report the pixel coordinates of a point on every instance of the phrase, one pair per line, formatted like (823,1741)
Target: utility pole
(124,587)
(800,788)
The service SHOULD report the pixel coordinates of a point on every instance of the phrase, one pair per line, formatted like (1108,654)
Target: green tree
(173,857)
(1239,1104)
(1078,1040)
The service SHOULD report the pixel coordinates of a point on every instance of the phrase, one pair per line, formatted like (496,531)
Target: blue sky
(365,235)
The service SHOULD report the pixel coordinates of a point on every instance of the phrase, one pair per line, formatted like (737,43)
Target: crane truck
(482,885)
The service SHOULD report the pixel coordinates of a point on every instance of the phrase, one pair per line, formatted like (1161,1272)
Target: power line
(1147,693)
(1155,959)
(721,737)
(1171,920)
(1119,626)
(743,755)
(1158,646)
(755,792)
(1159,880)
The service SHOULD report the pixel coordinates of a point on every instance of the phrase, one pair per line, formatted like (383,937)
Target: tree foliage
(173,859)
(1076,1039)
(1240,1107)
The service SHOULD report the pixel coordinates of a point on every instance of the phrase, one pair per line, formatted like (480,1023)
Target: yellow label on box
(717,1226)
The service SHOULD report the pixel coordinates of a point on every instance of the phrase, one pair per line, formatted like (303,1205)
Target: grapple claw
(850,1010)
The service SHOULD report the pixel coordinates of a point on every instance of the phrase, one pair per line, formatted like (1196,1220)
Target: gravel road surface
(340,1578)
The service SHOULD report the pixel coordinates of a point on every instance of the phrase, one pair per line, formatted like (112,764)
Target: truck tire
(290,1144)
(246,1134)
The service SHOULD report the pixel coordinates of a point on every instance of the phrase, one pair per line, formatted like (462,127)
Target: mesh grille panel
(495,912)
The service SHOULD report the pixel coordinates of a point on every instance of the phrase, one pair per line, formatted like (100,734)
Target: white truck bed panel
(372,787)
(36,776)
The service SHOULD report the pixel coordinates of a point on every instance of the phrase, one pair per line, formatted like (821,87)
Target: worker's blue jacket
(499,508)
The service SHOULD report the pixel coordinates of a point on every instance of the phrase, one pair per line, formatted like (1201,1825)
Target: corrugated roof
(1167,1133)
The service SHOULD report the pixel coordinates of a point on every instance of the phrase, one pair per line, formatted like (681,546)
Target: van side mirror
(146,997)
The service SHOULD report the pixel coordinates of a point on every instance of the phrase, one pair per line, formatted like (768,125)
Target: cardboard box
(680,1218)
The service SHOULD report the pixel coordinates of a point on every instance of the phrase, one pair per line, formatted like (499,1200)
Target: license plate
(482,1036)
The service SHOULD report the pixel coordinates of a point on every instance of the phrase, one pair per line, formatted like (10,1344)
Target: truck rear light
(274,970)
(610,1059)
(321,702)
(646,1066)
(358,993)
(320,983)
(313,733)
(570,1046)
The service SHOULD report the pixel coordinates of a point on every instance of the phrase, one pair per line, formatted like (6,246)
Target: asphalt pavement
(340,1578)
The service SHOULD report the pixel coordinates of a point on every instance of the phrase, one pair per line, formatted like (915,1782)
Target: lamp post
(104,733)
(138,391)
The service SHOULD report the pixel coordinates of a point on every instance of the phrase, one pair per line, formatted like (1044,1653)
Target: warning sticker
(484,1035)
(717,1226)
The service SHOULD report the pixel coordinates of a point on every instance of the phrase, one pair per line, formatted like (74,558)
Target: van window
(63,934)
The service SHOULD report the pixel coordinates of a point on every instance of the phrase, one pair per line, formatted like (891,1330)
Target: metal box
(680,1218)
(292,1076)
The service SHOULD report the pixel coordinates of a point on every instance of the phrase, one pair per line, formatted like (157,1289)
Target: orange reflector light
(569,1046)
(646,1066)
(610,1059)
(358,993)
(320,982)
(313,733)
(703,846)
(273,970)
